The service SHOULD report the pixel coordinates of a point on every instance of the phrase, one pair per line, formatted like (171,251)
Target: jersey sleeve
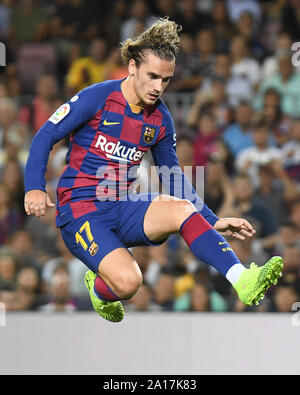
(68,117)
(171,175)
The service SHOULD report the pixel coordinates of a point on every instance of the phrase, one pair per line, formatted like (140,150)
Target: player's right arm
(67,118)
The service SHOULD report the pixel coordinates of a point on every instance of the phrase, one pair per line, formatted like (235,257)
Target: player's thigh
(165,215)
(151,218)
(131,220)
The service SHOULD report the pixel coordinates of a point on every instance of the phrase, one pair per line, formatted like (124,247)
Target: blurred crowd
(243,126)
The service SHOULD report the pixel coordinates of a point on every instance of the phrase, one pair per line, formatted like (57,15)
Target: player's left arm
(177,184)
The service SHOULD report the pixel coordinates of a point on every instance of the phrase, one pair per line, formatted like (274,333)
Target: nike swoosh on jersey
(110,123)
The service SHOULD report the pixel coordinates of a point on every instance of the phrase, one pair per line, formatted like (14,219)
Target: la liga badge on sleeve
(60,113)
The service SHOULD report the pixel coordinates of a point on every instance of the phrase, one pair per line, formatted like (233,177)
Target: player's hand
(236,227)
(36,201)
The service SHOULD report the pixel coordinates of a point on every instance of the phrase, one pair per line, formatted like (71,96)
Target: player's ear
(131,67)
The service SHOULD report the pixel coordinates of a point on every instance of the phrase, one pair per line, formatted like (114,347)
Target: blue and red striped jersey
(107,144)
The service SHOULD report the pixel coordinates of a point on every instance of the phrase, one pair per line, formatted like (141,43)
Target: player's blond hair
(161,39)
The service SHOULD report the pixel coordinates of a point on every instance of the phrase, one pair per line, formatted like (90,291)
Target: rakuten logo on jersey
(118,151)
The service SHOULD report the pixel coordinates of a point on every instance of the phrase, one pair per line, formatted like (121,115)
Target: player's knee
(128,284)
(184,208)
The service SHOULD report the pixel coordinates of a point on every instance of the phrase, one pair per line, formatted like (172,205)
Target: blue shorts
(115,225)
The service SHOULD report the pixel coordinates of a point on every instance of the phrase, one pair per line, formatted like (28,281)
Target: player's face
(151,78)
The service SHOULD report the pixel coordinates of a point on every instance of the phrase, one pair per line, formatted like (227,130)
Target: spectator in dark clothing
(190,18)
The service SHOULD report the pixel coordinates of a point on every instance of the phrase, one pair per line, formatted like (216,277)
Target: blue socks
(207,244)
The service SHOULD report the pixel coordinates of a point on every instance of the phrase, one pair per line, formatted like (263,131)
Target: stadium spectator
(236,88)
(79,21)
(238,135)
(262,153)
(143,256)
(237,7)
(183,265)
(211,99)
(190,18)
(164,290)
(282,131)
(291,153)
(10,218)
(60,297)
(115,18)
(140,19)
(218,186)
(186,55)
(284,298)
(221,70)
(271,111)
(290,278)
(3,90)
(115,69)
(34,60)
(291,274)
(5,17)
(270,64)
(185,151)
(276,189)
(142,300)
(166,7)
(28,21)
(223,27)
(9,264)
(12,178)
(246,204)
(44,104)
(8,297)
(287,236)
(89,69)
(44,233)
(205,142)
(287,82)
(8,116)
(23,245)
(75,268)
(243,63)
(271,26)
(294,216)
(200,64)
(184,283)
(158,261)
(249,30)
(28,288)
(200,298)
(13,82)
(15,145)
(290,17)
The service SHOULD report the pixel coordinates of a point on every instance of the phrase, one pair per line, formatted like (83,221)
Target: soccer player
(111,125)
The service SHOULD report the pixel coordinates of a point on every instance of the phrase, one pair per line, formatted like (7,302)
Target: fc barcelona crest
(149,134)
(93,249)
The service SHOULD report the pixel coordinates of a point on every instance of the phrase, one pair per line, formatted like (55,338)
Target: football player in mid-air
(111,125)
